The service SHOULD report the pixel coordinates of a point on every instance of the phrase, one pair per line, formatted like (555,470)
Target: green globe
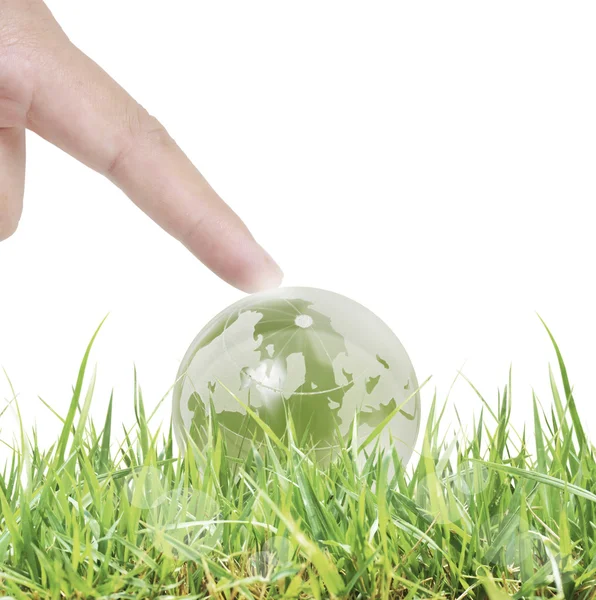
(301,357)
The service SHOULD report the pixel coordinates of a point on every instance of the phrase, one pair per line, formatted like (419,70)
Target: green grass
(491,515)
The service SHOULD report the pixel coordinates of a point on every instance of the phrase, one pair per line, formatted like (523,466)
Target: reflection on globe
(301,355)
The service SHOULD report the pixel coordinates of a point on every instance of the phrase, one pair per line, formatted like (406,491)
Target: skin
(49,86)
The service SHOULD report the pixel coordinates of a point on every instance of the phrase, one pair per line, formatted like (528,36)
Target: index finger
(79,108)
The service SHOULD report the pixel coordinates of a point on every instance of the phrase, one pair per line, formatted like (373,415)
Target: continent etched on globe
(307,354)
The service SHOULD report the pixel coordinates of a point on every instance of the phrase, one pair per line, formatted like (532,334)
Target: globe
(299,360)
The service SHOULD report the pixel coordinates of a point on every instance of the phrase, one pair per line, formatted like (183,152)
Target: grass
(490,515)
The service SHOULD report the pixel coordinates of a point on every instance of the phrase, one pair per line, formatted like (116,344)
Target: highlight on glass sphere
(297,357)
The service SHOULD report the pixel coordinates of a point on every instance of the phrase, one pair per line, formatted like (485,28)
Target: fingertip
(7,228)
(254,270)
(272,273)
(12,179)
(266,281)
(261,274)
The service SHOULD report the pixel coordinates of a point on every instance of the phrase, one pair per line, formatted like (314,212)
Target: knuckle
(15,92)
(193,232)
(14,107)
(139,130)
(17,76)
(25,25)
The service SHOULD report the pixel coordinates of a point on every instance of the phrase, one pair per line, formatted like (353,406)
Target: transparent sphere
(304,356)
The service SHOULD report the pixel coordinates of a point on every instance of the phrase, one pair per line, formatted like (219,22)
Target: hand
(49,86)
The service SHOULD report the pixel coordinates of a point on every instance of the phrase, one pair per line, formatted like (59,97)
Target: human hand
(49,86)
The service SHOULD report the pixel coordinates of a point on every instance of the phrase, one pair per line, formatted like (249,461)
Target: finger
(12,178)
(78,107)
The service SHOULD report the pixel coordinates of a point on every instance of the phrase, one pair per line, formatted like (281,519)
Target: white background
(433,161)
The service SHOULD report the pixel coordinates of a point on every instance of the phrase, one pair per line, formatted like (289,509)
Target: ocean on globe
(302,355)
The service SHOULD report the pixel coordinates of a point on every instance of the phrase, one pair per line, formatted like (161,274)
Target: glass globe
(297,355)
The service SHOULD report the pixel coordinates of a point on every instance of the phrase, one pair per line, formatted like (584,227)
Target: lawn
(495,514)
